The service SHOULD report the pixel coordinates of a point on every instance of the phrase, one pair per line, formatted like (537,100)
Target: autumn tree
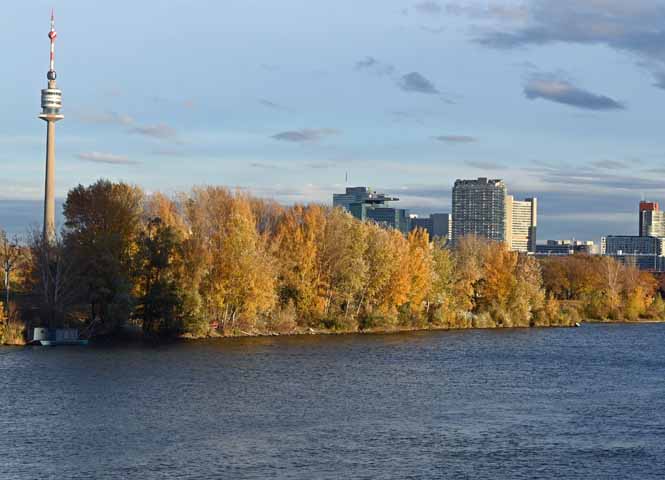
(54,277)
(158,262)
(102,225)
(238,277)
(10,254)
(419,266)
(297,244)
(343,268)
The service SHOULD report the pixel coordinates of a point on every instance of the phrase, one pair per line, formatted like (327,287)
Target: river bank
(488,405)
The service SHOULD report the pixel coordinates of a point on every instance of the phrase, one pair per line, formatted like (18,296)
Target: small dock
(54,337)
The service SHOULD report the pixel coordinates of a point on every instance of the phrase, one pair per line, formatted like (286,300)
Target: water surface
(584,403)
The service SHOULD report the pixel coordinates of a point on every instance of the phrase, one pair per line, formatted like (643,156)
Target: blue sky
(561,99)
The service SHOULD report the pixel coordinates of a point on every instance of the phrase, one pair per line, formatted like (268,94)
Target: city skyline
(291,120)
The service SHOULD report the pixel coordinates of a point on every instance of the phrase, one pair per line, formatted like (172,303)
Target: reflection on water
(572,403)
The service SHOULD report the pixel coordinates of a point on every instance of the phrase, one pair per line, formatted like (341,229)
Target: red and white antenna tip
(52,33)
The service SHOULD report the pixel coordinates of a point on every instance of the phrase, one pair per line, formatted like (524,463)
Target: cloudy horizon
(561,99)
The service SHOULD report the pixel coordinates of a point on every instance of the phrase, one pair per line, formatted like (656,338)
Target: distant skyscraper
(365,204)
(521,224)
(438,225)
(51,104)
(479,208)
(483,208)
(652,220)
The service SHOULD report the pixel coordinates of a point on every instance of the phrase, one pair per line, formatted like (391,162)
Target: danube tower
(51,104)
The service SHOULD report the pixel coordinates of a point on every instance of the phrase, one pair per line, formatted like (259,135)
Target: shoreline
(127,337)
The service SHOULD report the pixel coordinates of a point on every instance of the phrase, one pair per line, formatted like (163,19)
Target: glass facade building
(479,208)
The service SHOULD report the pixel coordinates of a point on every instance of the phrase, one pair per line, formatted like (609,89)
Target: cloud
(608,164)
(485,165)
(549,87)
(320,165)
(428,7)
(455,139)
(634,26)
(374,66)
(273,105)
(160,131)
(108,158)
(105,118)
(305,135)
(415,82)
(518,13)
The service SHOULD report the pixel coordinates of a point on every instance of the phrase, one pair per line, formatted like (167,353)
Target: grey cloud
(305,135)
(561,91)
(415,82)
(428,7)
(491,11)
(659,78)
(608,164)
(456,139)
(108,158)
(160,131)
(375,66)
(635,26)
(320,165)
(592,178)
(272,105)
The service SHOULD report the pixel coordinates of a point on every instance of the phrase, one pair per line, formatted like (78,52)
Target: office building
(438,225)
(359,195)
(522,224)
(632,245)
(365,204)
(566,247)
(383,215)
(479,208)
(483,208)
(652,220)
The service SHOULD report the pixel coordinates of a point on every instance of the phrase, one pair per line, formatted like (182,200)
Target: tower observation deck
(51,105)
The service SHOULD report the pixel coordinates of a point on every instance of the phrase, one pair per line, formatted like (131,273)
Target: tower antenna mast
(51,105)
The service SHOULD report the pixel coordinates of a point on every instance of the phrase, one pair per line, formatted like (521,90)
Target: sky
(287,99)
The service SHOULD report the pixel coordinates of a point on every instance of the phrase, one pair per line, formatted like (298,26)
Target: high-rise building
(359,195)
(383,215)
(365,204)
(479,208)
(652,220)
(521,224)
(51,104)
(438,225)
(442,225)
(483,208)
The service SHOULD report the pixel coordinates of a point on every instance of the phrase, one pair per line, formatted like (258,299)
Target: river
(585,403)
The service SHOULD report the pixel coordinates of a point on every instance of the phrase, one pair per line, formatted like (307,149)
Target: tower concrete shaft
(51,105)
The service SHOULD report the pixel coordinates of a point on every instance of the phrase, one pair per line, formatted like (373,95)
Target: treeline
(601,288)
(217,261)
